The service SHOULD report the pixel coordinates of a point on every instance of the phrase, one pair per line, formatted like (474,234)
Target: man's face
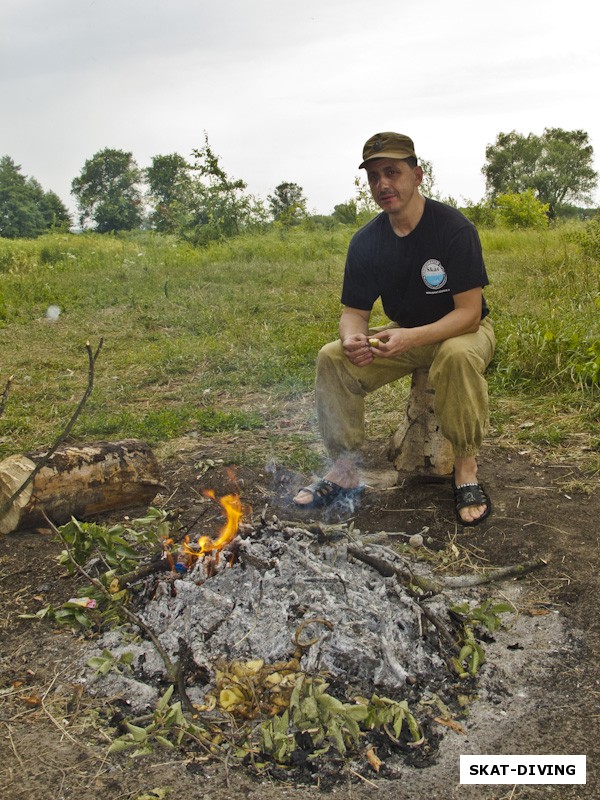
(393,183)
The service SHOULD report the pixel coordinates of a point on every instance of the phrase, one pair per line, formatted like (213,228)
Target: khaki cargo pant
(456,372)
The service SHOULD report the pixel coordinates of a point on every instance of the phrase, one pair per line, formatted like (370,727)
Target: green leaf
(164,700)
(356,712)
(138,734)
(330,703)
(164,742)
(295,696)
(398,722)
(119,745)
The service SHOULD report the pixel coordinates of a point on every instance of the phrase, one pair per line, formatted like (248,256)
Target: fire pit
(268,608)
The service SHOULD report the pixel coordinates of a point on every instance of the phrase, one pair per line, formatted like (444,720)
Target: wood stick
(129,578)
(4,397)
(388,570)
(44,460)
(500,574)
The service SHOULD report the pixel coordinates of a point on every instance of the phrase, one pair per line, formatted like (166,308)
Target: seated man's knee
(331,351)
(454,356)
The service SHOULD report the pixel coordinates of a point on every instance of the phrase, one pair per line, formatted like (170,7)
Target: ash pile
(278,592)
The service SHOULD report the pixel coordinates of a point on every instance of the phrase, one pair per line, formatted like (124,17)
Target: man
(424,260)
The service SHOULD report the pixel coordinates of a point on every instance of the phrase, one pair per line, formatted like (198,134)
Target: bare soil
(539,689)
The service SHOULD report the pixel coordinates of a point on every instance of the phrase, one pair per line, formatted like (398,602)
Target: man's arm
(464,318)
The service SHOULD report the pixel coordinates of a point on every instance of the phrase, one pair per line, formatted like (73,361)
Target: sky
(290,91)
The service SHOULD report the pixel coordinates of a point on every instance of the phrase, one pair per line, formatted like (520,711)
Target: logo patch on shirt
(433,274)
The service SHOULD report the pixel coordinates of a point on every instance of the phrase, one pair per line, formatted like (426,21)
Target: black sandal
(326,493)
(471,494)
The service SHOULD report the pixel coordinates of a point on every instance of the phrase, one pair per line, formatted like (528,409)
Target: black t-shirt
(415,275)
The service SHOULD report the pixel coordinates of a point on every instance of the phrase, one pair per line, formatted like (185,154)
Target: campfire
(273,618)
(206,545)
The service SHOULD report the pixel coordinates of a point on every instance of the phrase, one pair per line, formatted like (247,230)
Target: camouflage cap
(388,145)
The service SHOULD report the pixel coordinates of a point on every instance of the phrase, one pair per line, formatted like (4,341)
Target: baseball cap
(388,145)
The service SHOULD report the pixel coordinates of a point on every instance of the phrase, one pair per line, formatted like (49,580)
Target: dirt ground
(53,739)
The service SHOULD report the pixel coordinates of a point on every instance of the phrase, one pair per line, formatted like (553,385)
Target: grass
(224,339)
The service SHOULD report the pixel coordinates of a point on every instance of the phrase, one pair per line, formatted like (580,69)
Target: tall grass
(222,338)
(545,296)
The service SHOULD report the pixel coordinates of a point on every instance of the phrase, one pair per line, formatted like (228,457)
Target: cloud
(289,91)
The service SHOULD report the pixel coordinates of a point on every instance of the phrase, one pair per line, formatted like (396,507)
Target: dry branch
(7,504)
(129,578)
(500,574)
(4,397)
(408,579)
(388,570)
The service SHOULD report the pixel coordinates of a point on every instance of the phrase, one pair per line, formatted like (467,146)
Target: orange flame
(234,511)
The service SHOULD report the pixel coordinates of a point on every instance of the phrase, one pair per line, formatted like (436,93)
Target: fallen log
(78,481)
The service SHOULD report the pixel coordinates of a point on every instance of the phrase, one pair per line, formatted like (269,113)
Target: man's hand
(357,349)
(392,342)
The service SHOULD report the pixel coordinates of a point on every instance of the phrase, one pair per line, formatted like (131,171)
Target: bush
(522,210)
(482,215)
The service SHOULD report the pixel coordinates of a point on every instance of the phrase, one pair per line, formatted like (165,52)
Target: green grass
(224,339)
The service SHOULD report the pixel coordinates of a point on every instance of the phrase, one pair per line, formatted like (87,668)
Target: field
(223,338)
(208,355)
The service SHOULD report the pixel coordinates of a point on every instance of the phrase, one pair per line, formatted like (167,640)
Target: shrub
(482,215)
(522,210)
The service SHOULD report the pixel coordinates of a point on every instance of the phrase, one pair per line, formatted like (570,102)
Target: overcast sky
(289,91)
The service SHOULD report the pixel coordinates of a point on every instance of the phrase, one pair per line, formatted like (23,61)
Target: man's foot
(471,502)
(343,475)
(325,493)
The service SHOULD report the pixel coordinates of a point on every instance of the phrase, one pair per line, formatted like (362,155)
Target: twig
(439,626)
(4,397)
(513,571)
(387,569)
(392,661)
(49,715)
(172,669)
(406,577)
(362,777)
(48,455)
(12,744)
(129,578)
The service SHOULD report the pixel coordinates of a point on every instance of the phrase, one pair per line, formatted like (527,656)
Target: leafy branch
(171,668)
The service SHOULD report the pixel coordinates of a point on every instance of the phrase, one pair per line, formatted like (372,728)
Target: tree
(55,213)
(220,206)
(346,213)
(427,186)
(170,188)
(25,209)
(557,166)
(287,203)
(108,191)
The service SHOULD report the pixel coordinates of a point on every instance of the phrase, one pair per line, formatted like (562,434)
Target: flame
(234,511)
